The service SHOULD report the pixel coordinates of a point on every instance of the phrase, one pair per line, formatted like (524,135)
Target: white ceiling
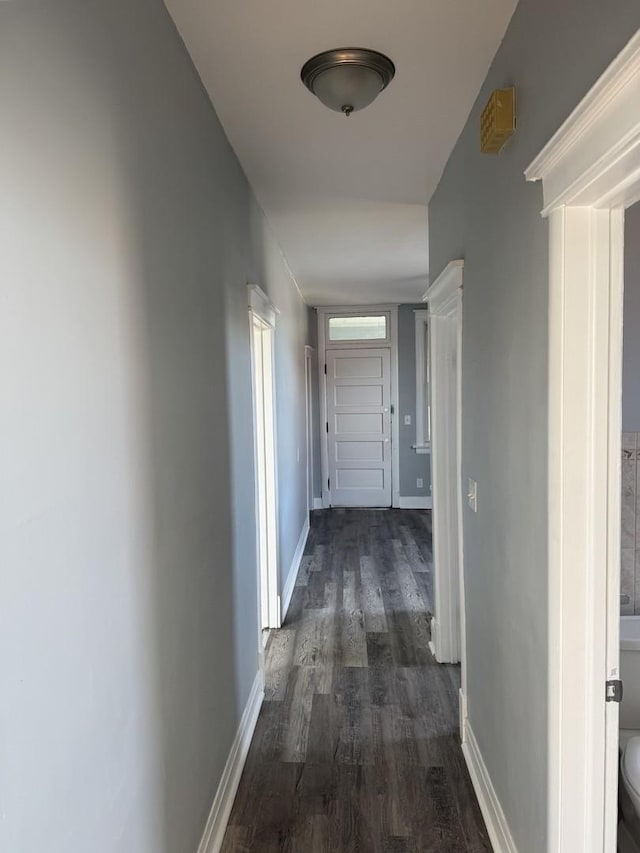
(346,197)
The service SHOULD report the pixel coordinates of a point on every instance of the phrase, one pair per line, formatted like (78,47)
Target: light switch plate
(407,420)
(419,483)
(472,495)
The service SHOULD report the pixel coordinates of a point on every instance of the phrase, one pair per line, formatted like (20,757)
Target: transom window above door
(352,328)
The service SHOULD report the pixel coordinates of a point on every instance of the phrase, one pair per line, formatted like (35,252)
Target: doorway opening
(629,729)
(590,173)
(262,325)
(358,399)
(444,298)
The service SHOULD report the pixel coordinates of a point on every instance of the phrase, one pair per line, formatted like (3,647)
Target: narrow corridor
(357,747)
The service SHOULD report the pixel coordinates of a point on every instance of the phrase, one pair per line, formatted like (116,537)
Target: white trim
(442,293)
(216,825)
(494,817)
(423,414)
(434,642)
(590,171)
(325,496)
(415,502)
(395,418)
(368,343)
(309,353)
(594,158)
(317,503)
(294,568)
(463,714)
(392,344)
(262,315)
(261,305)
(461,583)
(445,337)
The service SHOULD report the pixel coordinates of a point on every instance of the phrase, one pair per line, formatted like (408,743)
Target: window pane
(358,328)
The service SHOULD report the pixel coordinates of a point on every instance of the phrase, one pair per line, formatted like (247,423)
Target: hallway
(357,747)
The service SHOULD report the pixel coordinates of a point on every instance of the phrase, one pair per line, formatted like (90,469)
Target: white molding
(463,713)
(395,420)
(415,502)
(309,374)
(492,812)
(445,287)
(317,503)
(461,582)
(423,435)
(325,495)
(261,305)
(290,583)
(354,311)
(262,333)
(216,825)
(590,171)
(434,642)
(444,298)
(594,158)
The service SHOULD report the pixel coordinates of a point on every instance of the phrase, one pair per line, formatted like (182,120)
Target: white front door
(359,426)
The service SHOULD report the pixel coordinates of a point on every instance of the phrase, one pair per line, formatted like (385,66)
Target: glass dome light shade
(348,87)
(348,78)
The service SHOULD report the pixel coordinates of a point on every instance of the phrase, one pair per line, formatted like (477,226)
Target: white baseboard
(415,503)
(463,715)
(225,795)
(494,818)
(290,583)
(317,503)
(433,642)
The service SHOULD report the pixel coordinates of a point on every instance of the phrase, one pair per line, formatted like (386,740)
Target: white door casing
(262,316)
(309,374)
(444,298)
(590,172)
(423,397)
(359,426)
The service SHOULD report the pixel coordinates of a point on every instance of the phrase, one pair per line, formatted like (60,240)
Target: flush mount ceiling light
(348,78)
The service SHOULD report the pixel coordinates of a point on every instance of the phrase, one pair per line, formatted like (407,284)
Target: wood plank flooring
(356,748)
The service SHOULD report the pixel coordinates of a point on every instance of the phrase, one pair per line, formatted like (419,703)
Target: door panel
(361,423)
(358,395)
(352,364)
(359,451)
(359,426)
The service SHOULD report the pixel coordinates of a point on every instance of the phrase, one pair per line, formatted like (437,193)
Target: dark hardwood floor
(356,748)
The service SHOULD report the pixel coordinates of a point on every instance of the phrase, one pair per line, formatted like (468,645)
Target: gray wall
(412,465)
(631,365)
(291,420)
(485,212)
(128,618)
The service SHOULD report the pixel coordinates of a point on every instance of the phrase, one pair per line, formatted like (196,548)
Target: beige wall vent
(498,120)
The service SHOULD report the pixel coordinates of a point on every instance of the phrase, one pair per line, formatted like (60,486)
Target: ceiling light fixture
(348,78)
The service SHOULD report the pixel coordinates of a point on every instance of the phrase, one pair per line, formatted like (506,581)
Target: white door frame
(324,312)
(590,172)
(423,398)
(444,298)
(262,318)
(309,353)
